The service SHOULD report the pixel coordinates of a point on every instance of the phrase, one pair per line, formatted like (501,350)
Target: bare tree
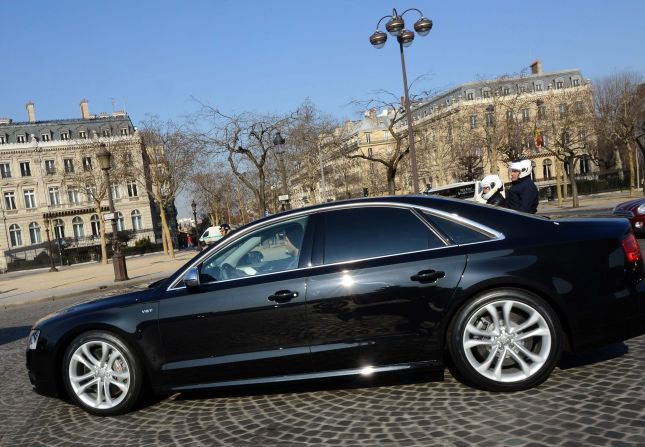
(619,106)
(568,123)
(169,156)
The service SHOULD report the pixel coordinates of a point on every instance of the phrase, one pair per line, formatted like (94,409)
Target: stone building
(48,174)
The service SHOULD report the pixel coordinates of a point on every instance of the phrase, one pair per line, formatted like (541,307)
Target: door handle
(283,296)
(426,276)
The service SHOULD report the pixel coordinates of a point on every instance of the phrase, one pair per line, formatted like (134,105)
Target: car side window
(458,233)
(270,249)
(359,233)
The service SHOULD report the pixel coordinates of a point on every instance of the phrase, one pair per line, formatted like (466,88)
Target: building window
(21,138)
(509,115)
(128,158)
(533,170)
(541,112)
(526,116)
(368,138)
(5,170)
(73,196)
(15,235)
(576,82)
(559,84)
(64,135)
(522,89)
(82,134)
(486,93)
(25,169)
(547,172)
(78,227)
(545,140)
(137,223)
(54,196)
(115,191)
(506,91)
(3,139)
(95,225)
(30,198)
(44,137)
(106,132)
(538,87)
(470,96)
(90,192)
(386,135)
(59,229)
(34,233)
(579,107)
(132,189)
(120,225)
(9,200)
(473,121)
(50,167)
(69,165)
(87,164)
(585,165)
(490,120)
(124,131)
(563,110)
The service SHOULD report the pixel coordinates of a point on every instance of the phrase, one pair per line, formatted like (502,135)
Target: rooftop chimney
(31,114)
(536,67)
(85,109)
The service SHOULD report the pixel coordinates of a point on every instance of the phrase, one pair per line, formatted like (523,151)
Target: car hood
(94,304)
(629,205)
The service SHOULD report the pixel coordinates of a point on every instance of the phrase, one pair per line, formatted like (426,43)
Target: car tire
(504,340)
(101,374)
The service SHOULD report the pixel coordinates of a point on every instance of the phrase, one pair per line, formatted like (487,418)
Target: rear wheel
(101,374)
(505,340)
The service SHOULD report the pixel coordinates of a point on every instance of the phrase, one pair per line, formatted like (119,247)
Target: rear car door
(380,280)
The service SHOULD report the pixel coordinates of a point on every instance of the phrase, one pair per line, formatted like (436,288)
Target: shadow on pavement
(10,334)
(571,360)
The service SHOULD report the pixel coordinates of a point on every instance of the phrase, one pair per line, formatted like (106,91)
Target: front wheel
(101,374)
(505,340)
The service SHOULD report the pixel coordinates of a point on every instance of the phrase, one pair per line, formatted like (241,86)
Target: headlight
(33,338)
(640,209)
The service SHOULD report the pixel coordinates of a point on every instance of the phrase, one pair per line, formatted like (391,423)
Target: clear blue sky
(268,56)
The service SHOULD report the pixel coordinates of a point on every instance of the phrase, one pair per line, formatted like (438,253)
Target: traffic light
(366,192)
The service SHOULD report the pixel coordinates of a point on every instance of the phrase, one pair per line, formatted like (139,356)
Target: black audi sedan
(355,288)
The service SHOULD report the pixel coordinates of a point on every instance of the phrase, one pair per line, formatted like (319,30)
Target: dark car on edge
(355,288)
(634,210)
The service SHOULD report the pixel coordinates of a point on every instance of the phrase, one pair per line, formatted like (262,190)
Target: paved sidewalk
(31,286)
(595,203)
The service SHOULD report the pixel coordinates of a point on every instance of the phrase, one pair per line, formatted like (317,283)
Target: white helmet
(524,166)
(494,183)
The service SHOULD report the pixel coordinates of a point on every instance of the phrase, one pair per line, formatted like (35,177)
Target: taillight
(632,249)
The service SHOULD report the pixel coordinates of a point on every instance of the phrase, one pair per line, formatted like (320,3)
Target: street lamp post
(193,205)
(396,27)
(118,259)
(52,267)
(278,141)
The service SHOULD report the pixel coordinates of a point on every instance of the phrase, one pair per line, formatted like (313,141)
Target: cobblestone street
(593,399)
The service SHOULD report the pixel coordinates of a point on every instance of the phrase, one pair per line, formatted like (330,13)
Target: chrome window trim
(494,235)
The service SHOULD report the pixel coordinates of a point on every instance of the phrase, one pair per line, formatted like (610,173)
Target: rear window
(457,232)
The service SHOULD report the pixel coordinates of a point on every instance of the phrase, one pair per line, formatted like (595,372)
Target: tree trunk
(391,181)
(260,194)
(166,232)
(572,179)
(164,241)
(558,183)
(632,178)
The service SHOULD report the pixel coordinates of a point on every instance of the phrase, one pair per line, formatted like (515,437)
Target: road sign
(109,216)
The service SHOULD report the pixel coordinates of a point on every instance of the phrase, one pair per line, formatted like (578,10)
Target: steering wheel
(228,271)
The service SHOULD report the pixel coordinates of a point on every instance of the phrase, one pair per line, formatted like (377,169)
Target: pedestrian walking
(523,194)
(492,188)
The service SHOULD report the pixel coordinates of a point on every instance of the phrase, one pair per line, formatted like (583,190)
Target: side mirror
(191,278)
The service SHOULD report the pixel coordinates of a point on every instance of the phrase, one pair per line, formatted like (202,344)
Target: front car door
(380,281)
(247,318)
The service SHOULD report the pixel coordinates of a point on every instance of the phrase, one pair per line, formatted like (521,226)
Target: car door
(380,281)
(247,317)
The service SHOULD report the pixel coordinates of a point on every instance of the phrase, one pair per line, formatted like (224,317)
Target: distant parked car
(464,190)
(634,210)
(210,236)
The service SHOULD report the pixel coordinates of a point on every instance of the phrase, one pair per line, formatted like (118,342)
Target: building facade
(49,175)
